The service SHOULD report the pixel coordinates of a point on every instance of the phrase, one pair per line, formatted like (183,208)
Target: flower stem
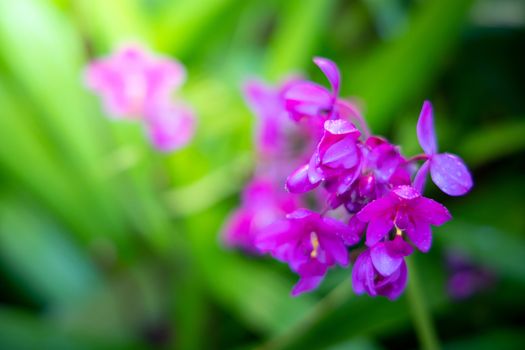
(421,316)
(331,302)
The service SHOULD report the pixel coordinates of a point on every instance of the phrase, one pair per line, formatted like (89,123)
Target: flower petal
(384,262)
(298,181)
(379,208)
(331,72)
(377,229)
(396,287)
(450,174)
(335,247)
(342,154)
(421,235)
(421,177)
(306,284)
(430,211)
(306,99)
(425,129)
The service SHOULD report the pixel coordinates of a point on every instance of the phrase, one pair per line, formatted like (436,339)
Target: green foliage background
(105,243)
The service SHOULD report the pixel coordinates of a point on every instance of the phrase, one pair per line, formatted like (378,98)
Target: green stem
(331,302)
(420,314)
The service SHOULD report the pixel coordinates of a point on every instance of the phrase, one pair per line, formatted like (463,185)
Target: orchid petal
(306,284)
(384,262)
(430,211)
(307,99)
(425,129)
(421,177)
(298,181)
(377,229)
(421,235)
(330,70)
(450,174)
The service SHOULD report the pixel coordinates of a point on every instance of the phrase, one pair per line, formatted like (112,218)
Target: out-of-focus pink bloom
(408,211)
(262,204)
(170,126)
(135,83)
(309,243)
(274,123)
(132,78)
(447,171)
(465,277)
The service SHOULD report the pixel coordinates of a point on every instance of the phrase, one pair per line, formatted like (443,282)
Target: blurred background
(107,244)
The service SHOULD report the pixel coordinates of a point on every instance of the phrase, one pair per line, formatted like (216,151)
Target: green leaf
(22,331)
(487,246)
(396,72)
(39,254)
(297,36)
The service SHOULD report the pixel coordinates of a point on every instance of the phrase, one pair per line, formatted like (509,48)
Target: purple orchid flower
(308,99)
(447,171)
(309,243)
(170,126)
(132,78)
(262,204)
(381,270)
(383,169)
(337,160)
(408,211)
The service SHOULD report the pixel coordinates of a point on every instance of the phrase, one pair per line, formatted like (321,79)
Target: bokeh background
(107,244)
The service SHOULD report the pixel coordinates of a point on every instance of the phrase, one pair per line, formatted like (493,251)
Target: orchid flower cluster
(324,183)
(136,84)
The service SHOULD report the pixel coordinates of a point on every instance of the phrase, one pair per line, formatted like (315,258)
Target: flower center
(315,245)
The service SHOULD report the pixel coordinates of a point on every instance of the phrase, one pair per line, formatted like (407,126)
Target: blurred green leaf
(493,143)
(44,54)
(39,253)
(487,246)
(398,71)
(297,36)
(183,21)
(109,23)
(504,339)
(21,331)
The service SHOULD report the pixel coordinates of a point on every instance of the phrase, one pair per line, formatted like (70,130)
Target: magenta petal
(421,235)
(450,174)
(342,154)
(341,127)
(396,287)
(334,246)
(381,207)
(331,72)
(385,263)
(430,211)
(170,127)
(298,181)
(421,177)
(355,230)
(362,273)
(377,229)
(306,284)
(307,98)
(425,129)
